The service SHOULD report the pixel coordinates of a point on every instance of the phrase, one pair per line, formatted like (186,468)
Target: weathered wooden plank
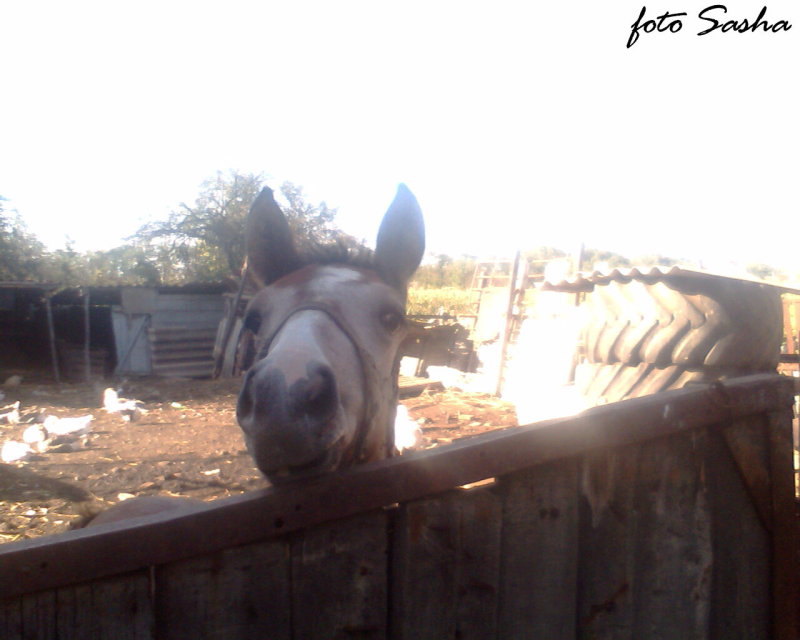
(116,608)
(785,535)
(40,615)
(339,580)
(113,608)
(32,617)
(748,443)
(182,333)
(445,566)
(606,572)
(243,592)
(672,546)
(540,553)
(479,578)
(740,576)
(425,552)
(86,554)
(11,618)
(191,304)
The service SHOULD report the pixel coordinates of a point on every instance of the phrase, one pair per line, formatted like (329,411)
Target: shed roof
(586,281)
(35,286)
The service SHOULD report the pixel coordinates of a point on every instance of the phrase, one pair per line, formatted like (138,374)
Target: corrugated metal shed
(167,332)
(182,334)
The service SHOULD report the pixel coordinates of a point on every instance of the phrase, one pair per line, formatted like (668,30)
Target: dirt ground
(187,444)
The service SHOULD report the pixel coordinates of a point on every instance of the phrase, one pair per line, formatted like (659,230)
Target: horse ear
(401,239)
(271,253)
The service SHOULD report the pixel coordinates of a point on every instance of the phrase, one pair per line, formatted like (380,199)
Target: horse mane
(340,249)
(343,250)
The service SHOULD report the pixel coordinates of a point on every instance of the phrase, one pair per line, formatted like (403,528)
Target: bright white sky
(517,124)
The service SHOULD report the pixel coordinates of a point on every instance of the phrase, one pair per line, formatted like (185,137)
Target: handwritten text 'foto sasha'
(712,19)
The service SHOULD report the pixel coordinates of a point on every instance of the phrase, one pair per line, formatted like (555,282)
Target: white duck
(68,426)
(13,451)
(35,436)
(12,416)
(407,433)
(128,409)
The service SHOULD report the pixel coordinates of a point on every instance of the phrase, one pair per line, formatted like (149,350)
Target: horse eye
(391,320)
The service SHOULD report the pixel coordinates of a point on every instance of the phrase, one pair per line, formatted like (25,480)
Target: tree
(128,264)
(596,258)
(656,260)
(206,241)
(539,257)
(20,251)
(210,230)
(310,223)
(65,266)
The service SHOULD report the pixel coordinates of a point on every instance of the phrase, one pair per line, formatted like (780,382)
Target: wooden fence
(669,516)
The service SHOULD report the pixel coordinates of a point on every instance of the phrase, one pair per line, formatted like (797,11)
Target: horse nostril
(319,397)
(308,405)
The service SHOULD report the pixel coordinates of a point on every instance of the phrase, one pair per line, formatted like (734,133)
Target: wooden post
(512,294)
(230,321)
(578,268)
(787,325)
(785,538)
(87,357)
(52,334)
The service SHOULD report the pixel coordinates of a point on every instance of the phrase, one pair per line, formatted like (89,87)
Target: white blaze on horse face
(311,338)
(361,297)
(299,342)
(357,295)
(330,276)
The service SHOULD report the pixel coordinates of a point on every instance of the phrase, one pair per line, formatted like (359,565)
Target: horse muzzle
(293,428)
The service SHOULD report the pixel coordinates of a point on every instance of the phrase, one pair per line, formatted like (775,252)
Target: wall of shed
(167,334)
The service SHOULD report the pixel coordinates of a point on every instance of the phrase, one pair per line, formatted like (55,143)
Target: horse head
(322,338)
